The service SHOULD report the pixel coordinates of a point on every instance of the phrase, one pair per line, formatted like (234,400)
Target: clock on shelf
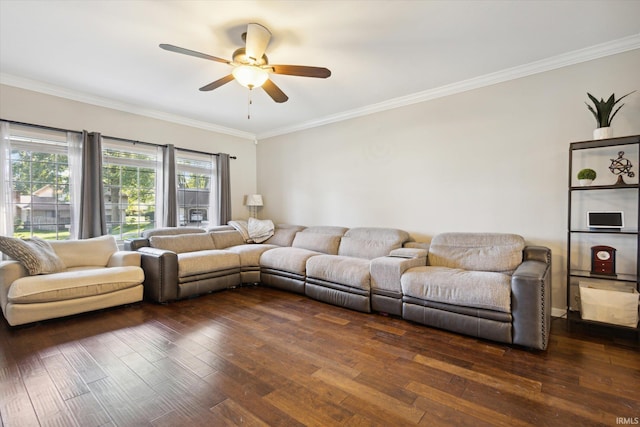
(603,260)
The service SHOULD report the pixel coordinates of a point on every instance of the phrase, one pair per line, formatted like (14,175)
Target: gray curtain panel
(224,188)
(93,221)
(170,189)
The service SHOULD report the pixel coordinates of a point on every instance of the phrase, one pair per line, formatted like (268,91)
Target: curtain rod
(13,122)
(109,137)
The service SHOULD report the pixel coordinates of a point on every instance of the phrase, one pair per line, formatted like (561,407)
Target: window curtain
(6,205)
(169,188)
(75,180)
(213,213)
(92,216)
(223,188)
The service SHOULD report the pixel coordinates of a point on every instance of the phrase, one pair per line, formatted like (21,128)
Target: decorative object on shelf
(254,201)
(603,114)
(620,167)
(586,176)
(603,133)
(603,260)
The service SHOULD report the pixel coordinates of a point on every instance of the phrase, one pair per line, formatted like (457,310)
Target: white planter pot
(603,133)
(585,182)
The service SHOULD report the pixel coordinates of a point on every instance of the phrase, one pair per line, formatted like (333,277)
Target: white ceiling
(381,53)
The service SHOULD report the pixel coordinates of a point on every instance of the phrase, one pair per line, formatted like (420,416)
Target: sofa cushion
(371,242)
(35,254)
(183,243)
(220,228)
(250,253)
(326,229)
(479,289)
(477,251)
(342,270)
(284,234)
(292,260)
(225,239)
(75,284)
(172,231)
(93,252)
(325,243)
(206,261)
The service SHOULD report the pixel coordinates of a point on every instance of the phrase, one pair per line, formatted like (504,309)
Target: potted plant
(603,114)
(586,176)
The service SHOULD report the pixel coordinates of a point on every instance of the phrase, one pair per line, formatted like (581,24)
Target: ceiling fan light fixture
(250,76)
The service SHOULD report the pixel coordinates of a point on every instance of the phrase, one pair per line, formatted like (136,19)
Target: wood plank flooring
(257,356)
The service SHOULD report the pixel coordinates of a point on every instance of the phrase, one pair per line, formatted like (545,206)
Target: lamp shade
(250,76)
(254,200)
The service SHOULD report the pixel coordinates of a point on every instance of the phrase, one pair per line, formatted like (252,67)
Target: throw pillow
(37,255)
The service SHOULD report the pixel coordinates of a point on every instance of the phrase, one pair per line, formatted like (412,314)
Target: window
(41,197)
(40,184)
(129,172)
(196,174)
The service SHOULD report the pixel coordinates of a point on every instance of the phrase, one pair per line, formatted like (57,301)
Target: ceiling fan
(251,67)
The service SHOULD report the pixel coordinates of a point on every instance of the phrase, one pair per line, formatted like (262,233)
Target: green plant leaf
(603,108)
(592,112)
(614,113)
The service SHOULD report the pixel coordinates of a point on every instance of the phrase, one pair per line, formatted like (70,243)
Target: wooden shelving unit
(630,194)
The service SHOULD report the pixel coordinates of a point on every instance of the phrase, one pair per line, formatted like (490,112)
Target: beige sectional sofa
(92,274)
(491,286)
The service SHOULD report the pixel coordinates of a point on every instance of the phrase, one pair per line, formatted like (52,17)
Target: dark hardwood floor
(257,356)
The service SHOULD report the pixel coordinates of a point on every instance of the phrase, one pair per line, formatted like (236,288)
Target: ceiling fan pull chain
(249,105)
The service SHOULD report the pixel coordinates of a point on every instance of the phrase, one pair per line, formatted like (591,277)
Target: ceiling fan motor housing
(240,57)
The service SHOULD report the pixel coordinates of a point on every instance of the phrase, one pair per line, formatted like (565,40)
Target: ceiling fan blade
(274,91)
(172,48)
(257,40)
(217,83)
(301,70)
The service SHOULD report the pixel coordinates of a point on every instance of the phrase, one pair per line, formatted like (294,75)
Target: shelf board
(631,231)
(574,316)
(632,278)
(600,143)
(604,187)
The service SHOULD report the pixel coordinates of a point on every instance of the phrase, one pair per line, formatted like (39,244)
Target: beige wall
(490,159)
(37,108)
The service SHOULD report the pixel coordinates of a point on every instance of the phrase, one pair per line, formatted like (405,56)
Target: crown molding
(575,57)
(37,86)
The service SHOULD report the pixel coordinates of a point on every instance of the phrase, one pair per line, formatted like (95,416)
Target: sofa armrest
(531,299)
(537,253)
(10,271)
(386,271)
(160,274)
(124,259)
(408,253)
(135,244)
(417,245)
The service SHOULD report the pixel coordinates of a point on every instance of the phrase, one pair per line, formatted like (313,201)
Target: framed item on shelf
(603,260)
(612,220)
